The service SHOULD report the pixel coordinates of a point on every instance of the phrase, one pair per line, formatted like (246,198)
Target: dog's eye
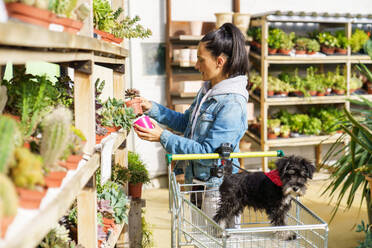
(291,172)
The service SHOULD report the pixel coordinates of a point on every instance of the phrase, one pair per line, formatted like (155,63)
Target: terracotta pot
(70,25)
(352,90)
(30,199)
(30,14)
(312,92)
(341,51)
(107,36)
(320,93)
(298,93)
(284,136)
(300,52)
(270,93)
(310,53)
(71,162)
(284,51)
(328,50)
(112,129)
(54,179)
(135,190)
(136,105)
(271,136)
(339,92)
(100,137)
(272,50)
(5,222)
(108,222)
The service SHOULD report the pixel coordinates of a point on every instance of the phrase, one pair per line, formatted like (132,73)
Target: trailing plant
(8,196)
(8,141)
(56,135)
(138,171)
(28,169)
(346,179)
(357,40)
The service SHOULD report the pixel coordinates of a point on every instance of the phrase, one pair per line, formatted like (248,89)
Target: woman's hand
(145,104)
(148,133)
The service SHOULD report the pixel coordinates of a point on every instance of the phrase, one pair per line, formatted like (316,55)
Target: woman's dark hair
(228,40)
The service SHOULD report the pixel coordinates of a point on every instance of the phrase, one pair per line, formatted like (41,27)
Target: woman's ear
(221,60)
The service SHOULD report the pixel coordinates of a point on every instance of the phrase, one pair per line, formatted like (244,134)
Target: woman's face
(207,64)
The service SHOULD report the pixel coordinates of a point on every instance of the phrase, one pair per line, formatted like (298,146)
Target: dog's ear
(309,167)
(282,164)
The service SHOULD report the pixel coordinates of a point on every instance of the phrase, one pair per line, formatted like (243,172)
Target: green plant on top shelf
(56,136)
(106,19)
(287,41)
(327,39)
(27,171)
(275,38)
(357,40)
(301,44)
(312,46)
(342,40)
(137,168)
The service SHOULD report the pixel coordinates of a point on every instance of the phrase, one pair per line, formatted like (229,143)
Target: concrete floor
(341,231)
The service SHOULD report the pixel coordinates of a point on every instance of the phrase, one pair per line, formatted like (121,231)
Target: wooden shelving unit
(20,43)
(265,60)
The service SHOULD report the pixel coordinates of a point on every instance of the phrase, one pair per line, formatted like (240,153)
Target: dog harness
(274,177)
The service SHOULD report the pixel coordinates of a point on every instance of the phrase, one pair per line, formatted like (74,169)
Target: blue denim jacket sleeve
(228,126)
(174,120)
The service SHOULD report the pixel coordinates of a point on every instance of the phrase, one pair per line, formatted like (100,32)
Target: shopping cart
(191,227)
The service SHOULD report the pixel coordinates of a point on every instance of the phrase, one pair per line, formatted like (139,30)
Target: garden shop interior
(109,111)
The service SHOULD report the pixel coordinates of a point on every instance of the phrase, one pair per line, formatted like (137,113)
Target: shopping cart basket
(191,227)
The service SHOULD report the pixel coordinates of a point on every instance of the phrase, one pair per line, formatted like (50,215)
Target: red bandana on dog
(274,177)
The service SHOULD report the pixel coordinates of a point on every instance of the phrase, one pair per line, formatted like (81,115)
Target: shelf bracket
(84,66)
(120,68)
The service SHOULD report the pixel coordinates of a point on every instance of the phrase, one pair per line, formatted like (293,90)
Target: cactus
(132,93)
(56,135)
(28,171)
(8,133)
(8,196)
(3,98)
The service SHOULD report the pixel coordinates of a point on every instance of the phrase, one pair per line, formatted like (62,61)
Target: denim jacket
(222,119)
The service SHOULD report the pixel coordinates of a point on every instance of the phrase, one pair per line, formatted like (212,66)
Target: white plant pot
(241,20)
(196,27)
(176,55)
(193,56)
(185,57)
(222,18)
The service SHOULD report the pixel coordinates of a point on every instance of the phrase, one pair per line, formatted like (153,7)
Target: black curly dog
(262,192)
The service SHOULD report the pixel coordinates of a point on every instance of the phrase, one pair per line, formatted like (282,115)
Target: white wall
(152,13)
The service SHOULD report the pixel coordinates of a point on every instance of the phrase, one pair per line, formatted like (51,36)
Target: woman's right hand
(145,104)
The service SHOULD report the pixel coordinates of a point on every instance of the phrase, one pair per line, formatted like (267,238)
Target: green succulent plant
(137,169)
(357,40)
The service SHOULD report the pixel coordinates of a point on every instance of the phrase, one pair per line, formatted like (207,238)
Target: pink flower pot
(144,121)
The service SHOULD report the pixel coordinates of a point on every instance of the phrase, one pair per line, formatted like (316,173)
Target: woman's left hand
(148,133)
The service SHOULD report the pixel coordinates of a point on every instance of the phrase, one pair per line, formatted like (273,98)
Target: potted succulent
(134,101)
(342,42)
(357,40)
(138,174)
(274,40)
(328,42)
(312,47)
(355,84)
(8,204)
(339,86)
(55,139)
(273,128)
(286,44)
(285,131)
(301,45)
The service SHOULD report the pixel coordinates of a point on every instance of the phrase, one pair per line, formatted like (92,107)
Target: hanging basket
(135,190)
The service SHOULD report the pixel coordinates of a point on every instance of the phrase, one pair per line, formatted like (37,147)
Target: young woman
(217,115)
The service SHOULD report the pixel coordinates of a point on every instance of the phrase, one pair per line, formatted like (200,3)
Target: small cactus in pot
(8,139)
(134,102)
(56,135)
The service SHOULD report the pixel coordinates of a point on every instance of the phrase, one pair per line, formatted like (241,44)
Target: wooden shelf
(41,40)
(185,95)
(279,101)
(191,65)
(298,141)
(30,226)
(114,236)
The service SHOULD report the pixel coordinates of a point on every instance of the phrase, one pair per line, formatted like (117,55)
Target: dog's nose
(296,189)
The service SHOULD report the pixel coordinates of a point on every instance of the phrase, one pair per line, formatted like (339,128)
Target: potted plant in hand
(138,174)
(134,101)
(312,47)
(328,42)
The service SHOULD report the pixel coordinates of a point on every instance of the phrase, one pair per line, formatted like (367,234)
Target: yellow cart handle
(172,157)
